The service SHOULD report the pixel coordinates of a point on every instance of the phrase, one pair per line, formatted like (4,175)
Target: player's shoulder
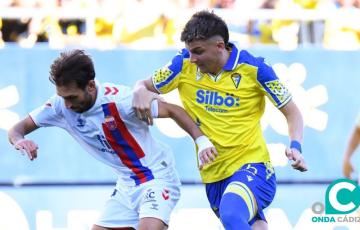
(249,58)
(54,103)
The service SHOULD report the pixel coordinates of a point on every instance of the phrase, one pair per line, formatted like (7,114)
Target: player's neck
(222,62)
(94,97)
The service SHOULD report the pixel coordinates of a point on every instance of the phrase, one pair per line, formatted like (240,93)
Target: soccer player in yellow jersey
(223,89)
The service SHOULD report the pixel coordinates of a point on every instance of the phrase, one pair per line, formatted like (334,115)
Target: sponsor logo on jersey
(110,123)
(150,196)
(106,148)
(208,97)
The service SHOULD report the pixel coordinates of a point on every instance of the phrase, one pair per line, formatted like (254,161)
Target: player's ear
(91,86)
(220,44)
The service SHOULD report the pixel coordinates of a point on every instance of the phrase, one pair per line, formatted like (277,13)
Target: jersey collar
(233,58)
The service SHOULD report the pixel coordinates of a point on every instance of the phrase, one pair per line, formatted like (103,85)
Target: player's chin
(77,110)
(202,68)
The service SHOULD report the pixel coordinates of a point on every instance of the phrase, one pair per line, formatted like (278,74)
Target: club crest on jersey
(235,77)
(110,122)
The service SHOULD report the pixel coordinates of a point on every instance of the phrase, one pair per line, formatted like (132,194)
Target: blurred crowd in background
(152,24)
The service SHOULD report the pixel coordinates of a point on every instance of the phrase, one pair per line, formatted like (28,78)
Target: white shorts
(156,198)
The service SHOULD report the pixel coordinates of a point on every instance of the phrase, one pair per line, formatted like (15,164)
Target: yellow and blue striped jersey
(226,107)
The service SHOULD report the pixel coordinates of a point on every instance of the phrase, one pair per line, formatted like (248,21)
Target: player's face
(76,99)
(206,54)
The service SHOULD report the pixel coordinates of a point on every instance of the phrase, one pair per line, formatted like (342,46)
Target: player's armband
(203,142)
(154,108)
(295,145)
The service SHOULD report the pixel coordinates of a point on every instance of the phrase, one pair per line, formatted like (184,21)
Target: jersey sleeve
(273,88)
(166,78)
(48,114)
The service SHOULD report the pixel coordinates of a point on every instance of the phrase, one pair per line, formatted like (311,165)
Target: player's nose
(193,58)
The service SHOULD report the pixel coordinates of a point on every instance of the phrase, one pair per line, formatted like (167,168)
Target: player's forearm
(353,143)
(179,115)
(294,121)
(140,85)
(145,84)
(296,126)
(16,133)
(20,129)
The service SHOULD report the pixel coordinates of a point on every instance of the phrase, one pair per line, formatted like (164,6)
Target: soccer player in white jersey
(101,119)
(352,145)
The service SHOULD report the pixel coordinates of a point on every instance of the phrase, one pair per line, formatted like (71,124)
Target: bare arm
(206,150)
(178,114)
(294,120)
(17,134)
(354,142)
(144,94)
(295,125)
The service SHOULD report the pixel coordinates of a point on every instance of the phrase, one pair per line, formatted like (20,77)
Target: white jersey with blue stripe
(111,132)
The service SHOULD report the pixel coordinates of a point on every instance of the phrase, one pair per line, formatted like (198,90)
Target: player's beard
(86,104)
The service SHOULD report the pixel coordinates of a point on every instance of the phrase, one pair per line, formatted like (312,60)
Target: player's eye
(198,52)
(70,98)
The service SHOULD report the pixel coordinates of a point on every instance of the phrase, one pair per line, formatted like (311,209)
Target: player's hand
(299,161)
(141,103)
(347,169)
(206,156)
(206,151)
(28,147)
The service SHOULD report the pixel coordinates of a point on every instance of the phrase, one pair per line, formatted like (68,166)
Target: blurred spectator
(13,29)
(260,31)
(285,32)
(224,4)
(356,4)
(310,31)
(43,27)
(110,23)
(343,31)
(73,26)
(156,27)
(195,4)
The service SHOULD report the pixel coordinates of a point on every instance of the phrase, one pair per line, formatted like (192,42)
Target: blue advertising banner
(324,84)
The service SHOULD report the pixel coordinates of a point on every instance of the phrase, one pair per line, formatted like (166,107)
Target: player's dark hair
(72,67)
(204,25)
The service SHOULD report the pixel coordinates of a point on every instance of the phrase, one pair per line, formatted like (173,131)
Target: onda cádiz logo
(342,197)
